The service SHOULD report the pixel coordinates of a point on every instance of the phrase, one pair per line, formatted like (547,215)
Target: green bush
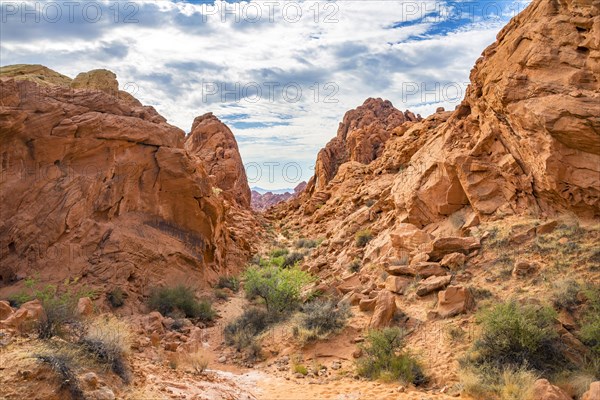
(280,288)
(384,359)
(59,307)
(278,252)
(116,297)
(590,327)
(324,316)
(241,332)
(174,301)
(229,282)
(514,336)
(363,238)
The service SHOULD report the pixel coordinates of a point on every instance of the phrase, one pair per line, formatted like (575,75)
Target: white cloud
(177,50)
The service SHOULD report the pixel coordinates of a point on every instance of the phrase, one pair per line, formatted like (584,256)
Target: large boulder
(448,245)
(432,284)
(544,390)
(397,284)
(453,301)
(5,310)
(385,307)
(26,317)
(213,143)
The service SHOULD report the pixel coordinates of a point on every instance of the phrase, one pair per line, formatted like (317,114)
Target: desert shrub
(324,316)
(384,358)
(306,243)
(300,369)
(116,297)
(229,282)
(354,266)
(507,384)
(292,259)
(564,294)
(280,288)
(107,340)
(59,308)
(197,360)
(278,252)
(514,336)
(221,294)
(63,363)
(363,237)
(241,332)
(480,293)
(180,299)
(590,325)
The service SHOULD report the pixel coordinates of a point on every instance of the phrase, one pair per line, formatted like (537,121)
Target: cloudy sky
(281,74)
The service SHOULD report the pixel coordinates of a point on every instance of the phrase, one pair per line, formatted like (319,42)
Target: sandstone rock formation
(98,187)
(213,143)
(264,201)
(361,137)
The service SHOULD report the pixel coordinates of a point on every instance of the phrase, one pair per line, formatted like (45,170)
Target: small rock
(90,379)
(336,365)
(593,393)
(85,307)
(523,269)
(222,359)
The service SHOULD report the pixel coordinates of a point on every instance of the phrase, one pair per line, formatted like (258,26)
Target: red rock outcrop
(213,143)
(98,187)
(264,201)
(361,137)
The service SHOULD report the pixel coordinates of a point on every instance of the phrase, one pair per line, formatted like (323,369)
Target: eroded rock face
(361,137)
(262,202)
(214,144)
(96,186)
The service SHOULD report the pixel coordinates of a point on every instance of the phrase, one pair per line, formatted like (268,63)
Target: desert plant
(590,325)
(506,384)
(564,294)
(180,300)
(324,316)
(241,332)
(513,336)
(384,358)
(221,294)
(292,259)
(300,369)
(108,340)
(230,282)
(116,297)
(62,365)
(306,243)
(354,266)
(279,288)
(59,308)
(278,252)
(363,237)
(196,359)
